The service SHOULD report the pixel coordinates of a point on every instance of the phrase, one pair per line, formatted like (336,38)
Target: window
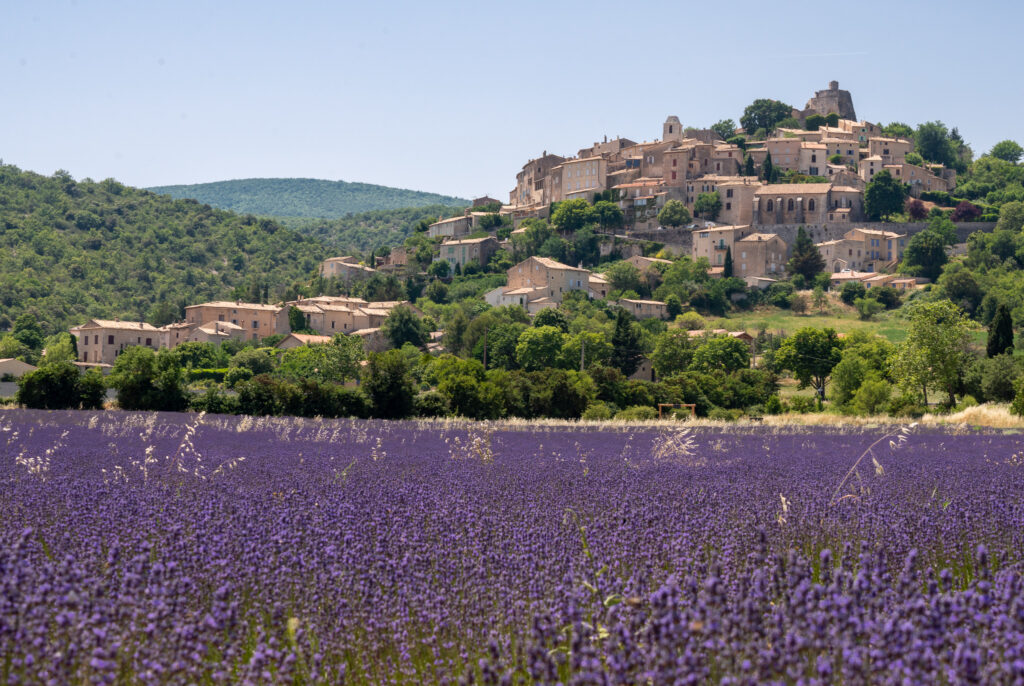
(771,205)
(149,341)
(728,193)
(728,205)
(670,128)
(255,324)
(673,176)
(789,205)
(674,161)
(95,339)
(110,339)
(743,255)
(814,158)
(85,357)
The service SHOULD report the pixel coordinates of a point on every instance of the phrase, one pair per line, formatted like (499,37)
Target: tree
(673,305)
(674,214)
(884,196)
(673,352)
(814,122)
(872,396)
(27,330)
(586,246)
(748,166)
(721,352)
(810,354)
(898,129)
(296,320)
(805,260)
(727,265)
(925,255)
(146,380)
(1000,332)
(335,362)
(725,128)
(708,205)
(913,158)
(436,291)
(847,376)
(915,209)
(439,269)
(768,171)
(932,142)
(538,348)
(389,385)
(765,114)
(626,353)
(1007,150)
(403,326)
(852,290)
(832,119)
(54,386)
(965,211)
(820,299)
(607,214)
(552,316)
(1011,217)
(572,215)
(935,350)
(867,308)
(61,347)
(623,276)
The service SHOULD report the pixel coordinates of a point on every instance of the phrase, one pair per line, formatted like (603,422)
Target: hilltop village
(605,285)
(738,216)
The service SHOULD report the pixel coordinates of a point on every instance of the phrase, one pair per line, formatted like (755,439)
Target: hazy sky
(453,97)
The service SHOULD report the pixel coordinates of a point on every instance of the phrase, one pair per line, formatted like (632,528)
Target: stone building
(345,268)
(258,320)
(451,228)
(539,282)
(863,250)
(807,203)
(759,254)
(458,253)
(826,102)
(102,340)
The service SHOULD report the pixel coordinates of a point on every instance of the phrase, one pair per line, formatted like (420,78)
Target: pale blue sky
(453,97)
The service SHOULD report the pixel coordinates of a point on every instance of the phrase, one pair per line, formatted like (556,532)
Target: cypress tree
(806,259)
(767,168)
(748,167)
(727,267)
(626,353)
(1000,332)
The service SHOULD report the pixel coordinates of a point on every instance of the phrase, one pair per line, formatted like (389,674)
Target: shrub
(802,404)
(211,374)
(599,410)
(51,387)
(637,412)
(691,321)
(938,197)
(872,396)
(722,414)
(430,404)
(214,401)
(1018,400)
(905,405)
(852,290)
(773,405)
(234,375)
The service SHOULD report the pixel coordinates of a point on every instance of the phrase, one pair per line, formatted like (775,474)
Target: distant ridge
(312,198)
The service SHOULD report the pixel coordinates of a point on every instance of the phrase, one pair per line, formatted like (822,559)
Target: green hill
(71,250)
(314,198)
(367,231)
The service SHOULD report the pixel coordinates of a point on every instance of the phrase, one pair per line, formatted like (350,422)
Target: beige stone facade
(863,250)
(102,340)
(457,253)
(644,309)
(891,150)
(712,243)
(530,182)
(807,203)
(582,177)
(451,228)
(346,268)
(539,281)
(918,179)
(258,321)
(759,254)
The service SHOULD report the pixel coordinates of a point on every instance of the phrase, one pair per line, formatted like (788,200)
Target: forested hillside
(368,231)
(304,197)
(71,250)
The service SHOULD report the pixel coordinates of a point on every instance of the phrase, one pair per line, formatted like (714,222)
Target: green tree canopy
(806,260)
(708,205)
(1000,332)
(935,350)
(765,114)
(884,196)
(810,354)
(389,385)
(725,128)
(539,347)
(607,215)
(626,344)
(147,380)
(924,256)
(1007,150)
(674,213)
(572,215)
(404,326)
(721,353)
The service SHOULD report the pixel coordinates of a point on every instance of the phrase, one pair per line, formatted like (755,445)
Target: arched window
(789,205)
(771,205)
(810,205)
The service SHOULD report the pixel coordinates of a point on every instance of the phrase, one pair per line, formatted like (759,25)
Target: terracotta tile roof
(117,324)
(237,305)
(794,189)
(553,264)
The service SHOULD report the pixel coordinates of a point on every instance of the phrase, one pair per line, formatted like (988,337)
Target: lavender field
(143,548)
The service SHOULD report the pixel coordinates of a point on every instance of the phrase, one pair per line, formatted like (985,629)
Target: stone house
(862,250)
(451,228)
(297,340)
(102,340)
(582,177)
(644,309)
(813,159)
(215,332)
(642,263)
(712,243)
(14,369)
(458,252)
(759,254)
(891,150)
(807,203)
(530,182)
(345,268)
(847,149)
(539,280)
(258,320)
(918,179)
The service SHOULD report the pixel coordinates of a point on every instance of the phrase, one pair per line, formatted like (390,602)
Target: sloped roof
(794,189)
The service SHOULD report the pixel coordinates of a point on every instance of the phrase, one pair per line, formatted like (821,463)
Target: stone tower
(672,130)
(832,100)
